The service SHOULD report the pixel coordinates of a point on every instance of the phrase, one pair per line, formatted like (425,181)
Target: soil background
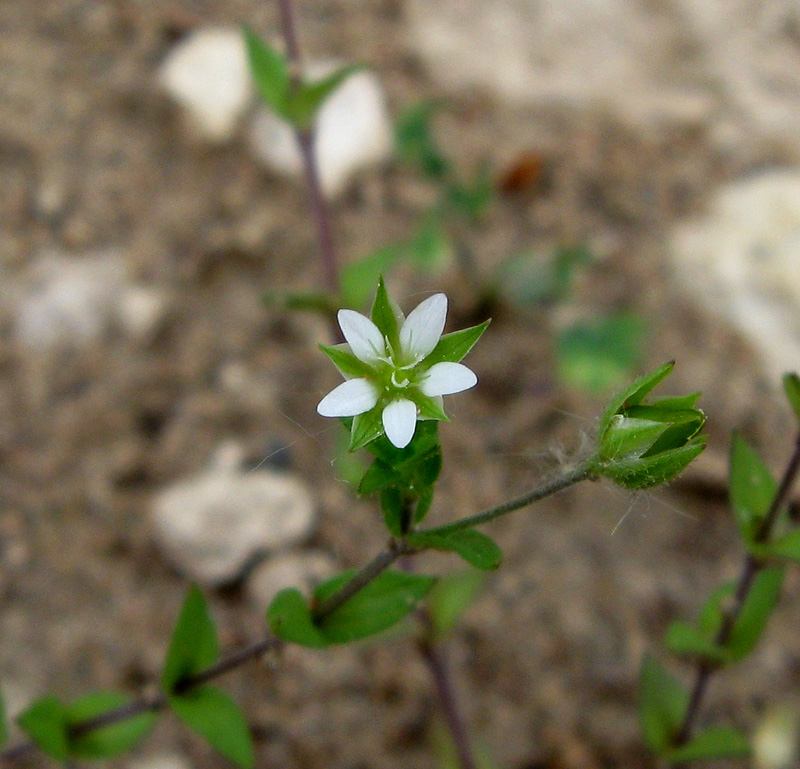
(546,660)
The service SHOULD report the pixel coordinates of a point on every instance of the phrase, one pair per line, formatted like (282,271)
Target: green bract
(642,444)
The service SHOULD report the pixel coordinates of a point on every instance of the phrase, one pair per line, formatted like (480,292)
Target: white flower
(397,373)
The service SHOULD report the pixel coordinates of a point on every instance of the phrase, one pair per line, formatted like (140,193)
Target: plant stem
(305,141)
(436,659)
(581,472)
(750,569)
(374,568)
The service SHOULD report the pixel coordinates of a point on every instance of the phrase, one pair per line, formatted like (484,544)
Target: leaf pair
(297,103)
(374,608)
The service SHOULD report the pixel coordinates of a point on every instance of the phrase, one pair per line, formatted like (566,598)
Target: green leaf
(712,615)
(270,72)
(358,277)
(375,608)
(597,355)
(752,488)
(715,743)
(386,315)
(425,438)
(786,547)
(450,597)
(289,617)
(306,102)
(758,607)
(473,546)
(347,364)
(685,639)
(366,428)
(791,386)
(194,646)
(3,727)
(45,722)
(216,717)
(454,346)
(394,511)
(377,478)
(634,394)
(107,741)
(427,468)
(415,143)
(424,503)
(662,705)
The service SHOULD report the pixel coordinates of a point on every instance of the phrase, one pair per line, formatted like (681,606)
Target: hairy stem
(750,569)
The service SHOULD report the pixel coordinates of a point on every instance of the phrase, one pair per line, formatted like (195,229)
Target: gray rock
(207,74)
(211,526)
(353,132)
(742,261)
(303,570)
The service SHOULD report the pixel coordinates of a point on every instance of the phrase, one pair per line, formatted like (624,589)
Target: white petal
(349,399)
(363,336)
(447,378)
(423,327)
(400,422)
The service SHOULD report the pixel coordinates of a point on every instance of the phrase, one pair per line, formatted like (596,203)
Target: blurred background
(616,183)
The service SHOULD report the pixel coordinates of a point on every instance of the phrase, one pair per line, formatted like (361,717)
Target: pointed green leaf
(715,743)
(289,617)
(375,608)
(378,477)
(270,72)
(216,717)
(662,704)
(454,346)
(427,468)
(791,386)
(786,547)
(758,607)
(633,394)
(423,503)
(45,722)
(712,615)
(194,645)
(107,741)
(687,640)
(385,315)
(473,546)
(366,428)
(752,488)
(358,277)
(347,364)
(305,103)
(3,727)
(450,597)
(394,511)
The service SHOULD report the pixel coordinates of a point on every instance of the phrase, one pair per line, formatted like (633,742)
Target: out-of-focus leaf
(473,546)
(451,596)
(751,488)
(715,743)
(662,704)
(289,617)
(756,611)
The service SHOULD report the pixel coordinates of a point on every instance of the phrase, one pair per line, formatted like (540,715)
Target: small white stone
(207,74)
(162,761)
(742,260)
(303,570)
(353,132)
(141,310)
(68,301)
(212,525)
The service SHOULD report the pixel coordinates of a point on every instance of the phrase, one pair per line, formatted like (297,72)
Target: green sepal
(677,402)
(662,706)
(218,719)
(194,645)
(289,617)
(475,548)
(375,608)
(45,722)
(751,488)
(347,364)
(107,741)
(304,103)
(638,473)
(386,315)
(366,428)
(687,640)
(427,408)
(791,386)
(756,611)
(452,347)
(713,744)
(450,597)
(270,71)
(627,435)
(633,395)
